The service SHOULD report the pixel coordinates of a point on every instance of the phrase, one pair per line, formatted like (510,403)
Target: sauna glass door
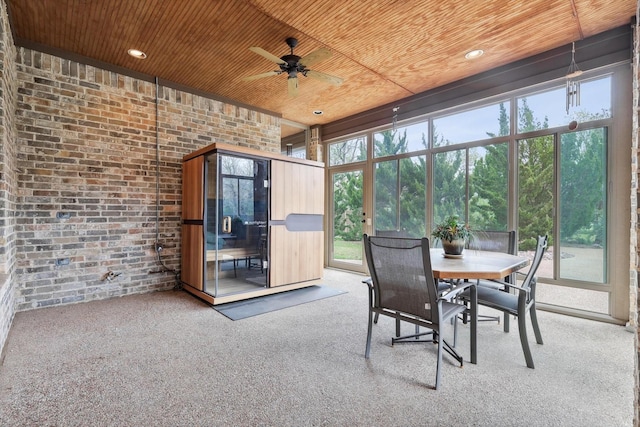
(236,214)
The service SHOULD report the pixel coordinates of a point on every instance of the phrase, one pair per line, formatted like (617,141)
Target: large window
(511,163)
(406,139)
(489,187)
(473,184)
(400,195)
(449,185)
(350,151)
(472,125)
(548,109)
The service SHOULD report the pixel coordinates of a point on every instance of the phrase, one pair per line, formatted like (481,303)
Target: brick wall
(8,175)
(87,176)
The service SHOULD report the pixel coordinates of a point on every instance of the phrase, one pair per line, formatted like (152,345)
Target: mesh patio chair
(391,233)
(494,241)
(402,287)
(518,304)
(441,286)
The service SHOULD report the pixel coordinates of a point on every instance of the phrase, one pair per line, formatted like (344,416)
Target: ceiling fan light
(472,54)
(137,53)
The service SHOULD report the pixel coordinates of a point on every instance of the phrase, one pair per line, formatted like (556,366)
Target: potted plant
(453,234)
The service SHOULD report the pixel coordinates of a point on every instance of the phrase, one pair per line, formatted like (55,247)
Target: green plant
(452,229)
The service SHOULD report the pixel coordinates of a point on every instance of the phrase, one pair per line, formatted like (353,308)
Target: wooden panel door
(296,247)
(296,188)
(295,256)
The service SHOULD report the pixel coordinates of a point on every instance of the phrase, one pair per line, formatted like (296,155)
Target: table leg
(474,324)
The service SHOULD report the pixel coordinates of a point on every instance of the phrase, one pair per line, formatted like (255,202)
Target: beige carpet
(168,359)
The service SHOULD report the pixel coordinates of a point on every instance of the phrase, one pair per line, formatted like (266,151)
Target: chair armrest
(456,290)
(510,286)
(368,282)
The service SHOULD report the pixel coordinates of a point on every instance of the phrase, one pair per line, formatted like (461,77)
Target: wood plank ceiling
(385,50)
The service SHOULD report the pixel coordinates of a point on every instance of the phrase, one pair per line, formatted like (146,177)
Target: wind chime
(395,117)
(573,87)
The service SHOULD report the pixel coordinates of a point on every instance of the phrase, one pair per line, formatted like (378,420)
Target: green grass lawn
(347,250)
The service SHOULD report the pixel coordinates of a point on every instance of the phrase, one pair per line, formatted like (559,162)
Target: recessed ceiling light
(474,54)
(318,112)
(137,53)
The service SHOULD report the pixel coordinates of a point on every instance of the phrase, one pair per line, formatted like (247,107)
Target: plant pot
(454,247)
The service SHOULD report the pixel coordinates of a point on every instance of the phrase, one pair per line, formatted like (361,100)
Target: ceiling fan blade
(264,53)
(315,56)
(293,86)
(324,77)
(259,76)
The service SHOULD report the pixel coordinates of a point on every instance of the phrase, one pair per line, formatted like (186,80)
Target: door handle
(226,224)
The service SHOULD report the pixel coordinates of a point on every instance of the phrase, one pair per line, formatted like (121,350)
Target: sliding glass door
(347,217)
(562,193)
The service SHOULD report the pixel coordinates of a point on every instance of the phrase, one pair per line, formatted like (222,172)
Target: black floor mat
(260,305)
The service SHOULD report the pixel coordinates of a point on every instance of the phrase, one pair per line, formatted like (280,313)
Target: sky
(595,96)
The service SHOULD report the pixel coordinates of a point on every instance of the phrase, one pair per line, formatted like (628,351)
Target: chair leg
(455,330)
(375,319)
(534,322)
(440,344)
(506,321)
(368,347)
(398,327)
(522,327)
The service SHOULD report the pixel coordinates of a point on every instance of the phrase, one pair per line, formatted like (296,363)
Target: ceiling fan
(293,65)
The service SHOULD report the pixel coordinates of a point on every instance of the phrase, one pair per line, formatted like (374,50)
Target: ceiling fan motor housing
(292,66)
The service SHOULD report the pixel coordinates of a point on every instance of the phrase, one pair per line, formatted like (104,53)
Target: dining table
(474,264)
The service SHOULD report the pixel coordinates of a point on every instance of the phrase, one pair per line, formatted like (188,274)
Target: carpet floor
(168,359)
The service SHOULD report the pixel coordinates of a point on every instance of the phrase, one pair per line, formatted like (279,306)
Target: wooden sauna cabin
(252,223)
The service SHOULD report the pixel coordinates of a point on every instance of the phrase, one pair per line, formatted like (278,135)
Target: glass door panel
(535,197)
(400,196)
(582,205)
(236,224)
(570,207)
(348,219)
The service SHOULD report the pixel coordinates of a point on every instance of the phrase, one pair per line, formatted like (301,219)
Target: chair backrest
(494,241)
(391,233)
(535,263)
(402,275)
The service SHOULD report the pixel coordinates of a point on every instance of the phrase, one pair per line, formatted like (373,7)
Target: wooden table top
(475,264)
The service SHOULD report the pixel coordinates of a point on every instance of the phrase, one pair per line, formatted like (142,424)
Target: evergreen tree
(488,201)
(449,185)
(413,197)
(406,188)
(535,181)
(582,188)
(347,188)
